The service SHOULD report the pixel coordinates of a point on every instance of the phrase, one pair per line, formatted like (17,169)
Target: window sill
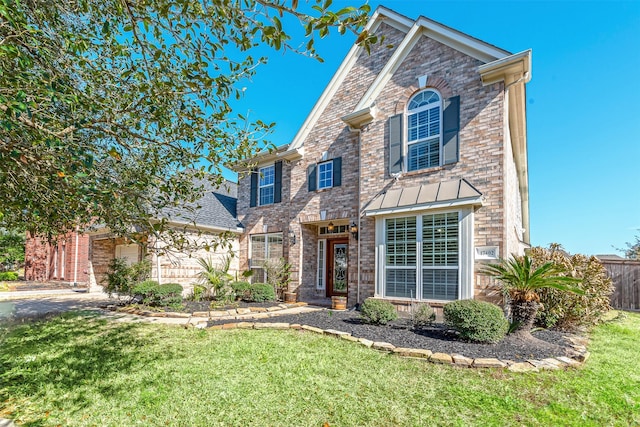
(322,190)
(427,170)
(409,301)
(261,206)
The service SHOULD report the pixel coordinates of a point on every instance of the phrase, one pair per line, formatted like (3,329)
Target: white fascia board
(393,19)
(391,66)
(516,64)
(380,15)
(203,227)
(359,118)
(471,201)
(438,32)
(264,157)
(471,46)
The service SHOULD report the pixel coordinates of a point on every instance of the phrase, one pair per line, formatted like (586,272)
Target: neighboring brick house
(215,219)
(65,260)
(409,171)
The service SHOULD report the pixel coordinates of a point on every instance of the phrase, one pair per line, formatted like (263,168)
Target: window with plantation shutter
(421,257)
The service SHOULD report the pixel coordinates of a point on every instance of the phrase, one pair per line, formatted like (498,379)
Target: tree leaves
(111,110)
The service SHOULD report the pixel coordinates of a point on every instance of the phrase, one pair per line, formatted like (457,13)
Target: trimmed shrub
(8,275)
(158,295)
(145,290)
(242,290)
(168,294)
(567,310)
(476,321)
(423,315)
(262,292)
(378,312)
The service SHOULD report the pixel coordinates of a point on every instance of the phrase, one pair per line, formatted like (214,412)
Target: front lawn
(88,371)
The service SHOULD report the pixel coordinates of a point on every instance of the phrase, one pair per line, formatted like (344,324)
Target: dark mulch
(437,338)
(193,306)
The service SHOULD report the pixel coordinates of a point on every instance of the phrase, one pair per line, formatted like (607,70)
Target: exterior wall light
(353,229)
(292,237)
(330,227)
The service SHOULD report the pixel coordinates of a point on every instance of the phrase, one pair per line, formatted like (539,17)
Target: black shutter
(311,177)
(395,144)
(337,172)
(451,128)
(253,198)
(277,196)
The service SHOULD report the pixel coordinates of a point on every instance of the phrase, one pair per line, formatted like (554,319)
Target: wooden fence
(625,275)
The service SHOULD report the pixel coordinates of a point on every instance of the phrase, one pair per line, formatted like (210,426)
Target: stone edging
(232,314)
(579,356)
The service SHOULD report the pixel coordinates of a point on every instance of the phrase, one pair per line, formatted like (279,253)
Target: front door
(337,262)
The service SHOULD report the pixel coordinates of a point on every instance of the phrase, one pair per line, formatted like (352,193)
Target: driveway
(40,305)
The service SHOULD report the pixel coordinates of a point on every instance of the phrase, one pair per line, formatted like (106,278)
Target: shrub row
(477,321)
(154,294)
(253,292)
(8,275)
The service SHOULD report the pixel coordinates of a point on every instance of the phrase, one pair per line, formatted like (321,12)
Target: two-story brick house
(409,170)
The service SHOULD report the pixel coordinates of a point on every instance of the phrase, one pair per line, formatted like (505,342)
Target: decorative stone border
(232,314)
(579,356)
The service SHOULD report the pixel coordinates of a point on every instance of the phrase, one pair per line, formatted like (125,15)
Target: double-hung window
(325,175)
(424,130)
(267,185)
(421,256)
(264,248)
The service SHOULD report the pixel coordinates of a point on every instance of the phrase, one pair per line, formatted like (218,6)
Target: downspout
(358,132)
(75,261)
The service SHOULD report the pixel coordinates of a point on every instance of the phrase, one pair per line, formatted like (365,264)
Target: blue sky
(583,111)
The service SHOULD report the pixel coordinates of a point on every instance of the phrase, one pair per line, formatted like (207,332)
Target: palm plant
(520,281)
(214,277)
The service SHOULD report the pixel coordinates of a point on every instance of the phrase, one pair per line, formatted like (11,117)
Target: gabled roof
(217,208)
(413,30)
(426,196)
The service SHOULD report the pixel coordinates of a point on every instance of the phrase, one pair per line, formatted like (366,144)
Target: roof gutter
(515,72)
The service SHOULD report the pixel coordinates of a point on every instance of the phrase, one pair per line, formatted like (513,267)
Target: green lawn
(86,371)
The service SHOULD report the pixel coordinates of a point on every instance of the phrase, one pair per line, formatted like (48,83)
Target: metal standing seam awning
(427,196)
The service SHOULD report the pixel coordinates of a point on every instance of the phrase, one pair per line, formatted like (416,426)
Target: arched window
(424,130)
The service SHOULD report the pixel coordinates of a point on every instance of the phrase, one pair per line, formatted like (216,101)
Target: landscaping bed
(437,338)
(200,306)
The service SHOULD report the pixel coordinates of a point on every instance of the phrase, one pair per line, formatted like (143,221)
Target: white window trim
(318,187)
(121,248)
(62,261)
(260,187)
(405,136)
(465,253)
(266,248)
(55,262)
(321,267)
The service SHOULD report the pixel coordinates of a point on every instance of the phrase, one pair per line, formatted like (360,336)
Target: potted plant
(339,302)
(290,296)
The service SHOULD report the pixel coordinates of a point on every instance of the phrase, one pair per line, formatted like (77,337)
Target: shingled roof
(216,208)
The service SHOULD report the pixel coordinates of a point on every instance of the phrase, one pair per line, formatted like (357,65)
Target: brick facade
(175,266)
(59,260)
(485,160)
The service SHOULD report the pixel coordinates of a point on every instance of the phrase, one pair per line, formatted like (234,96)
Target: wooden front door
(337,266)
